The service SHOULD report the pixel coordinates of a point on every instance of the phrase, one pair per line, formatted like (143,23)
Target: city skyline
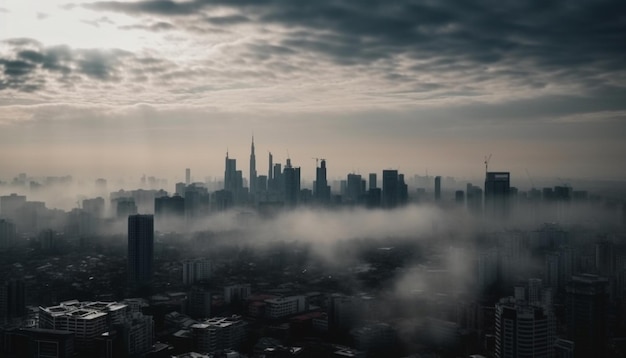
(155,86)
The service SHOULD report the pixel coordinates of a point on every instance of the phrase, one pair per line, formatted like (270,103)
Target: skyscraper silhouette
(497,188)
(140,250)
(291,178)
(390,189)
(322,190)
(253,180)
(437,188)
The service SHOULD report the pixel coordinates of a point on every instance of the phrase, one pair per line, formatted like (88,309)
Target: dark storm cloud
(541,35)
(30,65)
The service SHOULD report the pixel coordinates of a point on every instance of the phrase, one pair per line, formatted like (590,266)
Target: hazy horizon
(97,88)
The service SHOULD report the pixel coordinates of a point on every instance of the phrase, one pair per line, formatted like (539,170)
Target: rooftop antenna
(487,159)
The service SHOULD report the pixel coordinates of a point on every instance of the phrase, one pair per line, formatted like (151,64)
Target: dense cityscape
(265,266)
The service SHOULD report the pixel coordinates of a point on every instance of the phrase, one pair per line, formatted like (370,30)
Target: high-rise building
(459,197)
(12,299)
(437,188)
(271,167)
(587,303)
(140,250)
(497,190)
(94,206)
(253,176)
(195,271)
(173,207)
(8,234)
(230,174)
(187,176)
(10,204)
(372,179)
(474,198)
(322,190)
(391,190)
(523,330)
(291,177)
(354,190)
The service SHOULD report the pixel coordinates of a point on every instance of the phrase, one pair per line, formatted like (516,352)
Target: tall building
(372,183)
(391,190)
(8,234)
(140,250)
(94,206)
(322,190)
(587,301)
(497,190)
(187,176)
(474,199)
(437,188)
(271,167)
(230,174)
(354,189)
(173,207)
(291,177)
(523,330)
(195,271)
(253,176)
(12,299)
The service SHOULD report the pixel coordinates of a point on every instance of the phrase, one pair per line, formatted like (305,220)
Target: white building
(196,270)
(285,306)
(219,333)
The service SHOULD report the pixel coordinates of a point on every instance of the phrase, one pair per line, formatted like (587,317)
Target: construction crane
(487,159)
(317,161)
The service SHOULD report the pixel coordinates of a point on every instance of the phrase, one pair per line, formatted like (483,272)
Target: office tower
(8,234)
(140,250)
(390,189)
(271,167)
(199,302)
(437,188)
(372,183)
(173,207)
(403,190)
(197,201)
(354,189)
(523,330)
(12,299)
(374,197)
(10,204)
(196,271)
(125,207)
(587,301)
(253,176)
(497,190)
(180,189)
(322,190)
(94,206)
(230,173)
(261,183)
(35,342)
(459,197)
(291,177)
(474,198)
(187,176)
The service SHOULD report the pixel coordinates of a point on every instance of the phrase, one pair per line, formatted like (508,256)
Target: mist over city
(332,178)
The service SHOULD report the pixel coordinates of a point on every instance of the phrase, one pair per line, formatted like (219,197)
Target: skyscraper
(253,180)
(322,190)
(523,330)
(187,176)
(140,250)
(271,168)
(587,303)
(497,187)
(230,174)
(372,184)
(390,189)
(291,178)
(437,188)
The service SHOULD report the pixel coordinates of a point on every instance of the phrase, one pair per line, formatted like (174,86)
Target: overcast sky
(111,88)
